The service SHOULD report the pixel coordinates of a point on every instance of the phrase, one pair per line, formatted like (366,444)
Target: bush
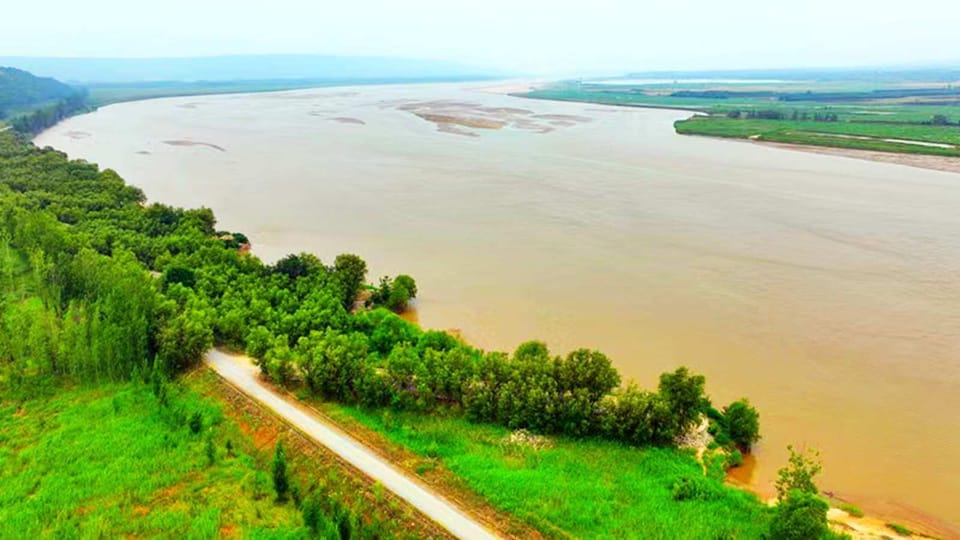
(899,529)
(196,422)
(281,483)
(210,449)
(311,513)
(734,459)
(800,516)
(852,509)
(693,488)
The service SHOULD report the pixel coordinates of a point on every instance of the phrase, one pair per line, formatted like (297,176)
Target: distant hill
(234,68)
(21,90)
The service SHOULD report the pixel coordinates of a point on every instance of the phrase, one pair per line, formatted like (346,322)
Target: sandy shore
(937,163)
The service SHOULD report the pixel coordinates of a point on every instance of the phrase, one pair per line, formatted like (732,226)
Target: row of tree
(102,286)
(777,114)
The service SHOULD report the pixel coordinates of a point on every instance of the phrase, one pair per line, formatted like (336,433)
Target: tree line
(100,285)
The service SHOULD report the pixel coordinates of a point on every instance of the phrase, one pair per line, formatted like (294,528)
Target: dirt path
(242,373)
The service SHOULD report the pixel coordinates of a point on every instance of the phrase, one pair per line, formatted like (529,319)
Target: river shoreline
(919,161)
(791,147)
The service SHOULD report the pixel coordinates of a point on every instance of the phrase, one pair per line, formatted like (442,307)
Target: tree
(799,473)
(588,370)
(281,483)
(311,512)
(351,270)
(742,423)
(298,266)
(179,274)
(394,294)
(684,395)
(940,120)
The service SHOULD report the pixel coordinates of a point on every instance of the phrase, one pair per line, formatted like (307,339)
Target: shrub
(196,422)
(734,459)
(281,483)
(693,488)
(899,529)
(800,516)
(311,513)
(210,449)
(852,509)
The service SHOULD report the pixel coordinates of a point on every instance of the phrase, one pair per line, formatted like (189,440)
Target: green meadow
(841,114)
(582,488)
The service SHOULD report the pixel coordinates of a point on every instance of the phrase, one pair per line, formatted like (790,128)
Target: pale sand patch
(511,87)
(563,117)
(448,113)
(937,163)
(348,120)
(465,121)
(182,142)
(454,130)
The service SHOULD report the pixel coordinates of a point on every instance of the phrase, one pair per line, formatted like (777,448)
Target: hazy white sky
(540,36)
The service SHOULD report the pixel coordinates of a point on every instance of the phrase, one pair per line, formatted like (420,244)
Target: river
(826,289)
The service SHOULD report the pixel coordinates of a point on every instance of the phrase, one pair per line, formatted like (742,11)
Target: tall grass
(578,488)
(109,462)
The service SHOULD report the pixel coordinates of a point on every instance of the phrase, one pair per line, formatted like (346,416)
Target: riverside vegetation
(903,116)
(102,291)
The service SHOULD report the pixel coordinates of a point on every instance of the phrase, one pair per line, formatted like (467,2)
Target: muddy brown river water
(826,289)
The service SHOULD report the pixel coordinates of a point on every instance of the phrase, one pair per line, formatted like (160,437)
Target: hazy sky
(538,36)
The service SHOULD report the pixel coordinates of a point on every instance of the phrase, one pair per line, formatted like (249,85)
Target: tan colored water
(826,289)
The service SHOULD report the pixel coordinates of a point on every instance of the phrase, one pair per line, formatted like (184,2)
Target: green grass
(899,529)
(825,134)
(108,462)
(851,509)
(578,488)
(877,119)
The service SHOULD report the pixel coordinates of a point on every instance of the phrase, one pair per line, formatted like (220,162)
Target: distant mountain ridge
(20,90)
(239,67)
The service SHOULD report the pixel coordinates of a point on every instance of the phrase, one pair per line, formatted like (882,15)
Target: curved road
(243,374)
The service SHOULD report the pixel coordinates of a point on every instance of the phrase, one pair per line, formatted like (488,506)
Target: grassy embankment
(89,462)
(583,488)
(859,120)
(110,461)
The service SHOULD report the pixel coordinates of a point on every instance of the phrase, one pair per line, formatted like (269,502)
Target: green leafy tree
(298,266)
(351,271)
(742,423)
(281,482)
(312,513)
(683,393)
(799,474)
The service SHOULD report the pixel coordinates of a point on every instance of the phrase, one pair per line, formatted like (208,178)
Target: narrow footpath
(244,375)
